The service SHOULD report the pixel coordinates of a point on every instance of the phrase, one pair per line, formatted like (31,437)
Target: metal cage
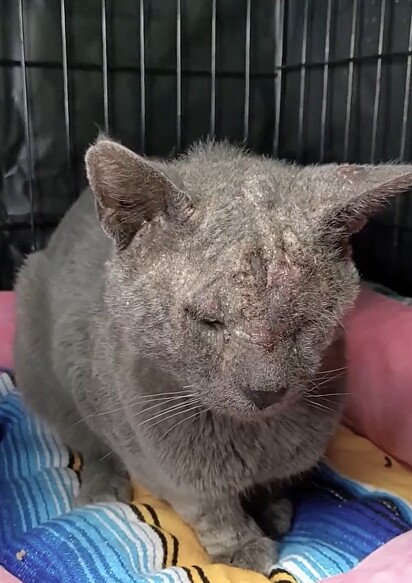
(309,80)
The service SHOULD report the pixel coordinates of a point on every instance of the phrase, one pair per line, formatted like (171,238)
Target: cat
(183,327)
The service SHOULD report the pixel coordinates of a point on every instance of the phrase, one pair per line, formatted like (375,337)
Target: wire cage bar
(142,77)
(302,86)
(213,69)
(66,95)
(105,68)
(296,87)
(27,124)
(378,83)
(279,29)
(246,112)
(178,75)
(351,70)
(325,89)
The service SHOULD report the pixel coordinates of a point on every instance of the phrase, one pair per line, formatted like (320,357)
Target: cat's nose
(264,399)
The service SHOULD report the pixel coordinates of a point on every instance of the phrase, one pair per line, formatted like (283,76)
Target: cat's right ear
(130,191)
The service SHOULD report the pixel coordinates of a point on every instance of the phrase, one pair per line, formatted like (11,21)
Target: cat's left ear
(348,194)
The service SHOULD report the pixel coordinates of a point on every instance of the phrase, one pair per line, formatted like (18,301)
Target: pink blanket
(6,329)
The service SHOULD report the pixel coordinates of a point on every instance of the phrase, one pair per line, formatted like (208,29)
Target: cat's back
(60,288)
(70,267)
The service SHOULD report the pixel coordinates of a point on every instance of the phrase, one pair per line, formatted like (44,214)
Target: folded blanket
(357,501)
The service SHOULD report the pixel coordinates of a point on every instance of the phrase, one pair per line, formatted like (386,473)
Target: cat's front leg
(103,477)
(228,534)
(103,481)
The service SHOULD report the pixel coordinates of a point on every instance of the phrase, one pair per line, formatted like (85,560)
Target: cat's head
(231,271)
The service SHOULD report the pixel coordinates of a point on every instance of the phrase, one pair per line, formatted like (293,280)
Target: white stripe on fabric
(48,472)
(322,569)
(99,513)
(81,527)
(124,521)
(6,385)
(183,576)
(289,564)
(298,573)
(56,487)
(15,493)
(32,429)
(45,450)
(73,547)
(129,518)
(11,436)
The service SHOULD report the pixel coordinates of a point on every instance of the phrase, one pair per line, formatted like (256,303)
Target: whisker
(321,381)
(323,409)
(163,399)
(334,320)
(320,406)
(321,395)
(142,400)
(316,385)
(150,395)
(168,409)
(106,455)
(323,372)
(327,380)
(182,421)
(169,417)
(328,401)
(166,394)
(176,408)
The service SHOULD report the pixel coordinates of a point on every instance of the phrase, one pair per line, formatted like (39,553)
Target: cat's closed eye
(210,323)
(213,324)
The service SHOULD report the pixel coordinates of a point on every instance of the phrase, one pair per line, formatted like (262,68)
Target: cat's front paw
(277,518)
(258,554)
(99,484)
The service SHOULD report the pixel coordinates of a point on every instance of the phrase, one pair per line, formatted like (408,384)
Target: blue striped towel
(337,522)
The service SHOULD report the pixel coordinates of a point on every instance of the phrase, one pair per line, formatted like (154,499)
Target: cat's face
(233,273)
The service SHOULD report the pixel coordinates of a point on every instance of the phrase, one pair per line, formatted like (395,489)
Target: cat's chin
(250,412)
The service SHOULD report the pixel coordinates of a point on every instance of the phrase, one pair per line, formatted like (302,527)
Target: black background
(383,249)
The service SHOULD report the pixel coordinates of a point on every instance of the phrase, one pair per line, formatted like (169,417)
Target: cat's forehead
(241,201)
(230,179)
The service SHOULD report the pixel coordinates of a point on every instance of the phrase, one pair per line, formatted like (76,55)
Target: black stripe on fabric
(395,520)
(175,553)
(390,505)
(137,512)
(152,514)
(281,576)
(81,461)
(188,573)
(201,574)
(71,459)
(73,462)
(157,530)
(276,571)
(163,541)
(175,549)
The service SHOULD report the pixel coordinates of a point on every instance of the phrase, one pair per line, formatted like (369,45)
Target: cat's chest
(222,457)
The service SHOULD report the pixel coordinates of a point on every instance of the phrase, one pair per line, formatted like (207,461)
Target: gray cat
(198,346)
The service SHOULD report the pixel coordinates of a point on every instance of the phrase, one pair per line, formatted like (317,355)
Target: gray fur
(223,281)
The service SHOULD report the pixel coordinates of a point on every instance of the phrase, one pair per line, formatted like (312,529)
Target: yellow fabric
(190,550)
(349,454)
(359,459)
